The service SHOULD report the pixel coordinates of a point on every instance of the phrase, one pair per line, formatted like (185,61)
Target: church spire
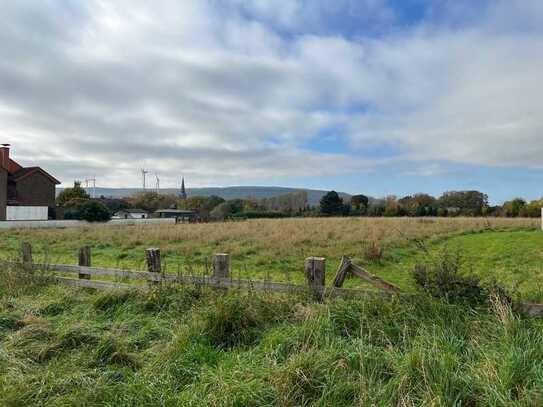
(183,194)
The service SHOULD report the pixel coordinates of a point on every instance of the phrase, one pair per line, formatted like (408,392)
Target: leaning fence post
(26,256)
(221,266)
(84,261)
(153,262)
(342,272)
(315,273)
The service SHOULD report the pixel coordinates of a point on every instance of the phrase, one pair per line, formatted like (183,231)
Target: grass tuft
(110,300)
(111,350)
(237,319)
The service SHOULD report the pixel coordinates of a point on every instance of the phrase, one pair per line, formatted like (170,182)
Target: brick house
(24,188)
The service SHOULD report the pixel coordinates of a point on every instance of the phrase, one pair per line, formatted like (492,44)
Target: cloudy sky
(372,96)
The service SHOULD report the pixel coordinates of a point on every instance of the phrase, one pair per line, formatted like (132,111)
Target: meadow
(194,346)
(509,250)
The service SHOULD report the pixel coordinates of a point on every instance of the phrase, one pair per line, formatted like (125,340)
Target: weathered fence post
(153,262)
(26,256)
(342,272)
(84,261)
(315,273)
(221,266)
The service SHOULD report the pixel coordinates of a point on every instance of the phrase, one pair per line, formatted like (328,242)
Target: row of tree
(453,203)
(77,204)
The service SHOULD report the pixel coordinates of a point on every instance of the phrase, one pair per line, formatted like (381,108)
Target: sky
(377,97)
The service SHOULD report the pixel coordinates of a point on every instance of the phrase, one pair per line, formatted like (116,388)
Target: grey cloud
(107,87)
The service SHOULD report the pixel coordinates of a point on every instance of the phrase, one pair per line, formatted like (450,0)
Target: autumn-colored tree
(533,209)
(151,201)
(514,208)
(72,196)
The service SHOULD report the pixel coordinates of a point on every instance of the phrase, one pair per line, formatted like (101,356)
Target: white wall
(27,213)
(59,224)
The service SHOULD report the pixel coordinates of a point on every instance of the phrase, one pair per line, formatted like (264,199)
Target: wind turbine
(144,173)
(157,185)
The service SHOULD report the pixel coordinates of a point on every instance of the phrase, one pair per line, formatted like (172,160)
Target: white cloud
(216,91)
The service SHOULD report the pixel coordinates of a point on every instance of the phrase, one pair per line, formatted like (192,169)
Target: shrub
(94,211)
(444,279)
(91,211)
(260,215)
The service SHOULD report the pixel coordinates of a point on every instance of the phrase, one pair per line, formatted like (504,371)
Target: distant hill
(314,195)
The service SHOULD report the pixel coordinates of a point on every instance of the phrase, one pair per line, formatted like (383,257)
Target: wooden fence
(220,277)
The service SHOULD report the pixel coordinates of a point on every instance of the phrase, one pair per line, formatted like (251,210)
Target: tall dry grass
(260,249)
(277,236)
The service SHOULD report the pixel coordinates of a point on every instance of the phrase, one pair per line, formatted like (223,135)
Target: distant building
(183,192)
(179,214)
(26,193)
(131,214)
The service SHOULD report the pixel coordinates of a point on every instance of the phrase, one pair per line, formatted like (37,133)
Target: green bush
(91,211)
(443,278)
(94,211)
(260,215)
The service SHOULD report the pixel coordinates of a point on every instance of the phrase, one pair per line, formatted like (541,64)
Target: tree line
(77,204)
(450,204)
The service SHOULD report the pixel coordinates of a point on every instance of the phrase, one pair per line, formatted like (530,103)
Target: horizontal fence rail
(183,279)
(314,270)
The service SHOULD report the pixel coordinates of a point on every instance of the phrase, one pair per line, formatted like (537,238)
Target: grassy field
(509,250)
(188,346)
(514,259)
(61,346)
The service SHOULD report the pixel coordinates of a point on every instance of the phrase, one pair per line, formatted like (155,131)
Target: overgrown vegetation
(196,347)
(276,249)
(444,278)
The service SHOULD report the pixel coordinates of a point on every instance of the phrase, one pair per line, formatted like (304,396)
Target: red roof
(13,166)
(22,173)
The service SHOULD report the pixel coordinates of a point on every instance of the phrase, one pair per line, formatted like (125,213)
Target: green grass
(259,249)
(188,346)
(513,259)
(61,346)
